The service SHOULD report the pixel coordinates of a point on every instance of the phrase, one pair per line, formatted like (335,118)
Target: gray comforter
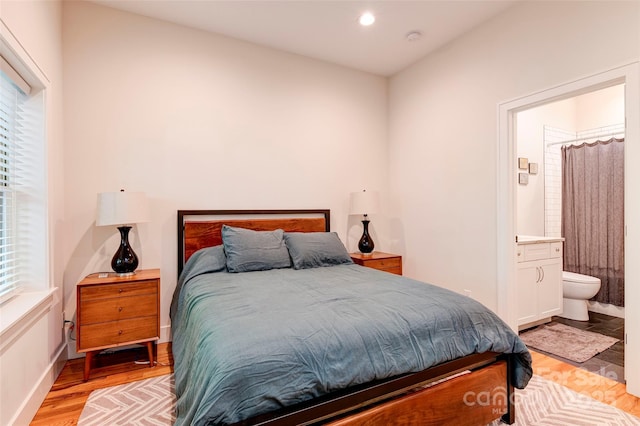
(250,343)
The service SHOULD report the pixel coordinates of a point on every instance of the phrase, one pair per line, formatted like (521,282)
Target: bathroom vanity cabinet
(539,280)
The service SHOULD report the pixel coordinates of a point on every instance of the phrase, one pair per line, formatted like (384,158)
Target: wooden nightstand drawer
(381,261)
(117,289)
(385,264)
(104,335)
(118,308)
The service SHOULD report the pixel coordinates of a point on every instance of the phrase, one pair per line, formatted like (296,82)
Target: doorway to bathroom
(627,79)
(575,183)
(572,187)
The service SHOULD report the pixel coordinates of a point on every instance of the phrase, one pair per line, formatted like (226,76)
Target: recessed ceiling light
(367,19)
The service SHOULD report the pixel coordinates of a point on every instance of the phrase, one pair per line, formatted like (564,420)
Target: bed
(322,340)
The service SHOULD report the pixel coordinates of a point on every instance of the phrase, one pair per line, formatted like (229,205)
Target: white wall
(530,140)
(600,108)
(443,127)
(201,121)
(30,357)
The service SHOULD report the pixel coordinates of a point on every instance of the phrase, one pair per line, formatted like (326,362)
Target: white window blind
(21,182)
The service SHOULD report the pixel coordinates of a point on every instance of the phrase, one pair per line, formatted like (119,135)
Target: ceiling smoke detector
(414,36)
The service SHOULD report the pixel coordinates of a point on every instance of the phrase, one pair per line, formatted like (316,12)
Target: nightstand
(116,311)
(378,260)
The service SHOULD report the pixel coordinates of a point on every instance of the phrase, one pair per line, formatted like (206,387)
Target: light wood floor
(68,395)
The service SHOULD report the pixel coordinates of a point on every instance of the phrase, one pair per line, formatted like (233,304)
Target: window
(22,184)
(10,99)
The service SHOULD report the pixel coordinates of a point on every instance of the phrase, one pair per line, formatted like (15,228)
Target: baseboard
(165,334)
(32,403)
(607,309)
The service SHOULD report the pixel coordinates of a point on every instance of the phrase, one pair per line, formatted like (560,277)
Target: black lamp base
(365,245)
(125,261)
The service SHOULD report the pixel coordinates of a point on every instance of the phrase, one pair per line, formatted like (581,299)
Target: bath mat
(567,342)
(543,402)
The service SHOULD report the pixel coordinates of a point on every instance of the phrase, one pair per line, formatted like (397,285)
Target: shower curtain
(593,214)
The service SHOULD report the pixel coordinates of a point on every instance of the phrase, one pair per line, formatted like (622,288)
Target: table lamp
(124,209)
(364,203)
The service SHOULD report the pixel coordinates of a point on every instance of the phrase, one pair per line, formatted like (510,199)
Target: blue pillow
(249,250)
(316,249)
(205,260)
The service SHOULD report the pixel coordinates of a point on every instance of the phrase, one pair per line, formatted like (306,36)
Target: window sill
(17,314)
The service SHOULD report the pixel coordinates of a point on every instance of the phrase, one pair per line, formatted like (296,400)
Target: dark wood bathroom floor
(609,363)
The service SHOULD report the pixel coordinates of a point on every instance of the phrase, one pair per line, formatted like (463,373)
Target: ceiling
(329,30)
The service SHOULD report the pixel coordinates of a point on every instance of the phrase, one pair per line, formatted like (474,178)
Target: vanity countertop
(532,239)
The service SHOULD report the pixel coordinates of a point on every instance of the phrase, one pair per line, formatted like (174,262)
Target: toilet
(576,290)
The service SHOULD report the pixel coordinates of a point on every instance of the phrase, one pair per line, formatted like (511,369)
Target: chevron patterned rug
(152,402)
(544,402)
(145,402)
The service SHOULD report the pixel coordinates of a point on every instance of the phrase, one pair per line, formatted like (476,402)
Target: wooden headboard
(202,228)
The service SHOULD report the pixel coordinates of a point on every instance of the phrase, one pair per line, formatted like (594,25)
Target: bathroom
(541,131)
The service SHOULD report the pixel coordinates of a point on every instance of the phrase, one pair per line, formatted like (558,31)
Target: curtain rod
(584,138)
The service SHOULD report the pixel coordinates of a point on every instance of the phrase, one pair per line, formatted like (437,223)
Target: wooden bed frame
(473,390)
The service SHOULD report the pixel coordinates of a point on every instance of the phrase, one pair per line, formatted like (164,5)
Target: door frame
(629,75)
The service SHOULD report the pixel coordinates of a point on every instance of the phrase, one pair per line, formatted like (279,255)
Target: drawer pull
(557,250)
(119,332)
(120,309)
(119,290)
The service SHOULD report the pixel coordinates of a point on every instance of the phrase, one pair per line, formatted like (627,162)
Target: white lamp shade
(122,208)
(364,202)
